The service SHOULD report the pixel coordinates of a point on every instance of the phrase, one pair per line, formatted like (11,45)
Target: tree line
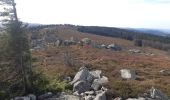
(140,39)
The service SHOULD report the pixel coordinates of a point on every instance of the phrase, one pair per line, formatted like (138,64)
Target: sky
(112,13)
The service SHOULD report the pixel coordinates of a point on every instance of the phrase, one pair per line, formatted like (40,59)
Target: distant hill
(129,34)
(33,24)
(159,32)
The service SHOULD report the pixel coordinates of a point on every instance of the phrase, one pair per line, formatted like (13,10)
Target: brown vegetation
(110,62)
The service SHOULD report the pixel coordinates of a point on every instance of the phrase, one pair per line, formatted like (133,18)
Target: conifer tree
(19,55)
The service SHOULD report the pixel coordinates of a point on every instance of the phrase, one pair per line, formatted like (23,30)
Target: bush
(3,95)
(57,84)
(39,83)
(43,84)
(122,89)
(126,89)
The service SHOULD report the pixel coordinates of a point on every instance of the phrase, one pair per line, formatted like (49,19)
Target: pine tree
(19,54)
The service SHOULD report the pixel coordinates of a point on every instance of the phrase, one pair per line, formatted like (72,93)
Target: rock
(86,41)
(97,83)
(118,98)
(66,97)
(141,98)
(89,97)
(128,74)
(80,43)
(135,50)
(45,96)
(101,96)
(89,92)
(22,98)
(32,97)
(67,43)
(104,89)
(136,98)
(82,94)
(81,86)
(114,47)
(29,97)
(82,75)
(90,78)
(98,92)
(68,79)
(71,97)
(165,72)
(58,43)
(157,94)
(111,46)
(96,86)
(76,93)
(96,73)
(103,80)
(103,46)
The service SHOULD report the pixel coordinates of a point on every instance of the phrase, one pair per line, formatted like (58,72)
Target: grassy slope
(110,62)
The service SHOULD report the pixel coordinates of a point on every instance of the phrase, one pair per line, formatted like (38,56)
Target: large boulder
(96,74)
(101,96)
(157,94)
(82,75)
(128,74)
(81,86)
(97,83)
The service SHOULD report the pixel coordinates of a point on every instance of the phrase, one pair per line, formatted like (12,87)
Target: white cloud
(119,13)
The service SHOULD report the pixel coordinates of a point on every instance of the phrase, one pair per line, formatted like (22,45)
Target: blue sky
(114,13)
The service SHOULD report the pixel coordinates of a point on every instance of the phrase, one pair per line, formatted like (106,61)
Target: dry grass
(110,62)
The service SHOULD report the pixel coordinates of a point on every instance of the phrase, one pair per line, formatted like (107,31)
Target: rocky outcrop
(89,84)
